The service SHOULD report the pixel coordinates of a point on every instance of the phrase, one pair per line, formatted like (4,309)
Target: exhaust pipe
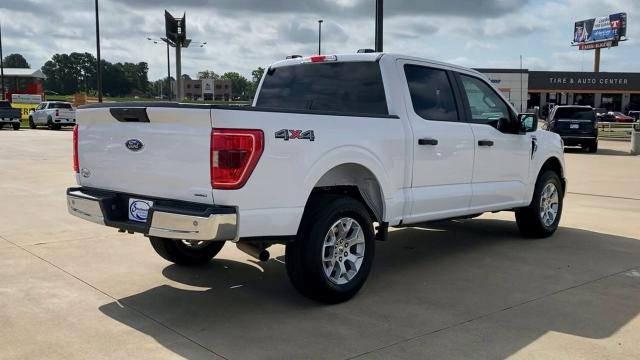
(256,250)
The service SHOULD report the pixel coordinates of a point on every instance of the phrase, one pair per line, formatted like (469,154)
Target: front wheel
(32,125)
(333,253)
(186,252)
(541,218)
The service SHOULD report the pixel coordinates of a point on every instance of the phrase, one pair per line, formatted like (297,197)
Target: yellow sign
(24,108)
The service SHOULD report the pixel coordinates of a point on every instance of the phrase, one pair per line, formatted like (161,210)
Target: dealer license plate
(139,209)
(574,126)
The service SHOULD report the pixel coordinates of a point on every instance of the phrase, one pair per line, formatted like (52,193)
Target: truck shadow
(427,284)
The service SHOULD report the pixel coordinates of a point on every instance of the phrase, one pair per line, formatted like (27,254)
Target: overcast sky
(245,34)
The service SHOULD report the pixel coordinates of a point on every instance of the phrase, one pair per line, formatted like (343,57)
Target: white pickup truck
(53,115)
(331,145)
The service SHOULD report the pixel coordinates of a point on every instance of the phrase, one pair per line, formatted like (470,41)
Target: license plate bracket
(139,209)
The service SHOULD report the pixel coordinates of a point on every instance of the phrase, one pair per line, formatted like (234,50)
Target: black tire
(32,125)
(304,256)
(16,126)
(529,219)
(593,147)
(180,253)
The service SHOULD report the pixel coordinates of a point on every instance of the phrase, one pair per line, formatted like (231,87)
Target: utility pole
(320,36)
(179,93)
(1,63)
(521,86)
(99,69)
(169,95)
(379,24)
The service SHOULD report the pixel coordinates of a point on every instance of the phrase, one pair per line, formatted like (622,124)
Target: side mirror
(528,122)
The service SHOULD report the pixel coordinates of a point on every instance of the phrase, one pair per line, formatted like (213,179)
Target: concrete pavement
(462,289)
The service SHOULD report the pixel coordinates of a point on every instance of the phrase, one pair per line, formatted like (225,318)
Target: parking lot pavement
(460,289)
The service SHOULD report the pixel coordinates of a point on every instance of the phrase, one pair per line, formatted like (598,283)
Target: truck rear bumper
(166,218)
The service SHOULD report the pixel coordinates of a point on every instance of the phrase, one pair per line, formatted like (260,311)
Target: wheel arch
(354,180)
(554,164)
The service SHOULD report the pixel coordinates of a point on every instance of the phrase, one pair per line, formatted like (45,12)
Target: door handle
(428,141)
(485,142)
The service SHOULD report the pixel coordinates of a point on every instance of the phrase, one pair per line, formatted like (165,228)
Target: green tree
(256,76)
(15,61)
(71,73)
(208,74)
(239,84)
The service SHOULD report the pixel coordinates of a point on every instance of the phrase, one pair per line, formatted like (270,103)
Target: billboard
(605,31)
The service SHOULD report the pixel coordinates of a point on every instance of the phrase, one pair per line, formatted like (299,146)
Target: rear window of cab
(337,87)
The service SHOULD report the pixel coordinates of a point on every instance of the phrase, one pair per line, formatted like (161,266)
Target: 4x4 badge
(287,135)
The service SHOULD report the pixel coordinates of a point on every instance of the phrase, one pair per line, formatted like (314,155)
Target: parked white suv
(331,145)
(53,114)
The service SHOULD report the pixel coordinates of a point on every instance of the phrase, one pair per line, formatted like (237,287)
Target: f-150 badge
(287,135)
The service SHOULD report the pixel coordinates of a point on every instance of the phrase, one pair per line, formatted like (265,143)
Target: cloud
(245,34)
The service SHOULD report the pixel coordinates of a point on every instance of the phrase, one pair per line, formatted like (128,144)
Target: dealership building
(527,89)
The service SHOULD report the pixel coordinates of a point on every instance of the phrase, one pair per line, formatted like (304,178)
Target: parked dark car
(9,115)
(576,125)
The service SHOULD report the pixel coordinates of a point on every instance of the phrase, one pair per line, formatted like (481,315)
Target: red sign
(597,45)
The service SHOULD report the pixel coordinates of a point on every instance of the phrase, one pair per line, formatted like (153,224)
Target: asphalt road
(470,289)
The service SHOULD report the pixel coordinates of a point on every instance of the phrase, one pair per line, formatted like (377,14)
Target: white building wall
(514,86)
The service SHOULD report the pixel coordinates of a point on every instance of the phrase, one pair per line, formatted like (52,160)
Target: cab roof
(374,56)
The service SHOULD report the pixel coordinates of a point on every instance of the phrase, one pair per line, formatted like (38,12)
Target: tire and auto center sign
(544,80)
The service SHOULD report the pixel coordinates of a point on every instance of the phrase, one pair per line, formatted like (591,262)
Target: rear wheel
(541,218)
(186,252)
(593,147)
(333,253)
(32,125)
(16,126)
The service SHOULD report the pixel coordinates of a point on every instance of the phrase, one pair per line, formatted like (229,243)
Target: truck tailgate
(163,152)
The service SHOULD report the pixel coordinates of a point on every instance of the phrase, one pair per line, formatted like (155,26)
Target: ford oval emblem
(134,145)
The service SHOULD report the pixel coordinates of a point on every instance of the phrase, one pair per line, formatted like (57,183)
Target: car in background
(576,125)
(634,114)
(621,117)
(9,115)
(53,114)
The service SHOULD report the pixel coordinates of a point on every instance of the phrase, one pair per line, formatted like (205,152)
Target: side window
(486,106)
(431,93)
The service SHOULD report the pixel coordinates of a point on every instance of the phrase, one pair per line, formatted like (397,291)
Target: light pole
(157,41)
(1,63)
(379,23)
(320,36)
(99,68)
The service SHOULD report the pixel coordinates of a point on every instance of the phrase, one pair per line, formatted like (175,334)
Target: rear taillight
(57,112)
(76,164)
(234,155)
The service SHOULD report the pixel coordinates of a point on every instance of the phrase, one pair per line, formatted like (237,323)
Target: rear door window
(431,93)
(342,87)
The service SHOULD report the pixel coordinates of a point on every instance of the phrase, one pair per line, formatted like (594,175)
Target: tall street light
(320,36)
(1,63)
(168,62)
(99,70)
(379,23)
